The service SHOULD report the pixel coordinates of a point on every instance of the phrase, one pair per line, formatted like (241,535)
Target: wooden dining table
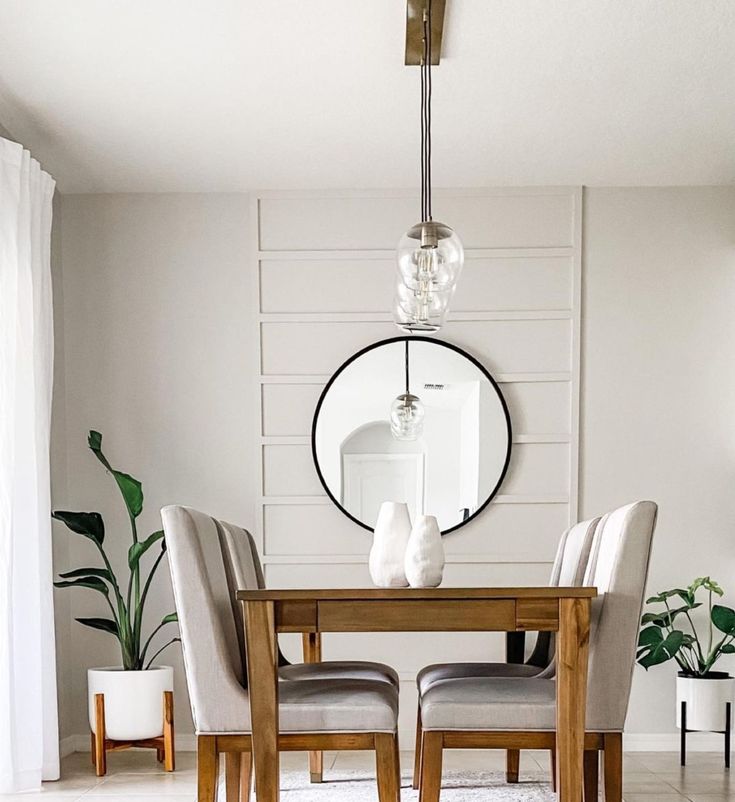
(564,610)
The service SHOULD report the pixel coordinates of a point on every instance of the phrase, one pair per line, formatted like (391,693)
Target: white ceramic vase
(133,700)
(706,700)
(424,561)
(392,530)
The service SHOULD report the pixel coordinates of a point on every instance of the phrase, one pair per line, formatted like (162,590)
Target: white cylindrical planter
(133,700)
(706,699)
(425,554)
(392,530)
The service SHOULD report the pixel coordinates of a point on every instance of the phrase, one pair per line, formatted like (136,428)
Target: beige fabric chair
(309,708)
(245,572)
(524,708)
(569,568)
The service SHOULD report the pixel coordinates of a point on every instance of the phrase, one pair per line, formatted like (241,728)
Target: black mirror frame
(444,344)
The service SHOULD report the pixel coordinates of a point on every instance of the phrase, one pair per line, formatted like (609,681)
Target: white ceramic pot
(392,530)
(424,560)
(706,700)
(133,700)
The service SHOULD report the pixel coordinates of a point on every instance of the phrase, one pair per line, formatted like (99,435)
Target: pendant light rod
(426,115)
(415,31)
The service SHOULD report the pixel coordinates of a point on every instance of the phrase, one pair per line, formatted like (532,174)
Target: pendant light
(430,254)
(407,412)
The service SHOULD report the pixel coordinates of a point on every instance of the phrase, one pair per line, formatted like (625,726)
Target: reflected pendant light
(430,254)
(407,412)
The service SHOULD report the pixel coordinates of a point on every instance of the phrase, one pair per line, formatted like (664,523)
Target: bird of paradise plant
(126,599)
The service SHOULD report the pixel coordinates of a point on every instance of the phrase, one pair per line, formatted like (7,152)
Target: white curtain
(29,746)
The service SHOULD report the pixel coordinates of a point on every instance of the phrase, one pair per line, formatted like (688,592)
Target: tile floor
(135,776)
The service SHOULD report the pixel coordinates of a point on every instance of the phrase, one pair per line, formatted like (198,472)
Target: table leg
(312,644)
(262,660)
(571,696)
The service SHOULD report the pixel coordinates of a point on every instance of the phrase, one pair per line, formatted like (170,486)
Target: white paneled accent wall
(325,273)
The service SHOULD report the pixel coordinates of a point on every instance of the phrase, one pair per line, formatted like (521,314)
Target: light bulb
(407,417)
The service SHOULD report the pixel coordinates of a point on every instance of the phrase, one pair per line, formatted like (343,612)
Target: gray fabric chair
(618,568)
(201,550)
(569,567)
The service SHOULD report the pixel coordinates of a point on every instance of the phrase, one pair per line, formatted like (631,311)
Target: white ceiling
(230,95)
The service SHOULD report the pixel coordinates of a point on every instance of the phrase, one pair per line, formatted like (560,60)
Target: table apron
(441,615)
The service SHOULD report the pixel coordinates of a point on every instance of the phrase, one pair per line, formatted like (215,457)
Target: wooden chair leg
(389,789)
(591,775)
(432,744)
(417,752)
(100,756)
(316,766)
(512,765)
(552,759)
(92,747)
(246,776)
(233,769)
(169,750)
(612,766)
(160,755)
(207,768)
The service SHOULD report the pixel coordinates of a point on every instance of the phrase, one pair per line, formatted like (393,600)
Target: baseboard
(633,742)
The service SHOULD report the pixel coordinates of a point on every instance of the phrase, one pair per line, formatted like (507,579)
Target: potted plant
(671,634)
(133,690)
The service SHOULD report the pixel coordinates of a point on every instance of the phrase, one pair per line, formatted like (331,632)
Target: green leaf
(103,573)
(171,618)
(131,488)
(132,492)
(137,550)
(728,648)
(706,583)
(91,582)
(89,524)
(650,636)
(723,618)
(105,624)
(662,651)
(667,618)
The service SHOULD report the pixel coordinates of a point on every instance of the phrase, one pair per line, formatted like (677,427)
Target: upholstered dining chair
(569,568)
(244,571)
(338,712)
(501,712)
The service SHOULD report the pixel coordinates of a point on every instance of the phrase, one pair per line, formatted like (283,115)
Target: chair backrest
(618,568)
(208,623)
(244,572)
(570,565)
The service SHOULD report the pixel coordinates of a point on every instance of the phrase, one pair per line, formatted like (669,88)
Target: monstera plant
(670,633)
(704,697)
(125,596)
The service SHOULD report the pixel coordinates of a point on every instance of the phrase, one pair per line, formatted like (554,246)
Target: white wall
(159,349)
(658,388)
(159,358)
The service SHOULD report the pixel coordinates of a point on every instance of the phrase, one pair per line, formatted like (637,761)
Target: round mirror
(414,420)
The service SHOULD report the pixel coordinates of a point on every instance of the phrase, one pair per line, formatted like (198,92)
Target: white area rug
(457,786)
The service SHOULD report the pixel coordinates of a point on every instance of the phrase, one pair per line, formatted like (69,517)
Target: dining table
(564,610)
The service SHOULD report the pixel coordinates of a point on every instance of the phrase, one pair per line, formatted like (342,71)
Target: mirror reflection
(412,420)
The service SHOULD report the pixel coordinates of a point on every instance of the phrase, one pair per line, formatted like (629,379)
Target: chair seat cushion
(341,669)
(438,672)
(490,703)
(318,705)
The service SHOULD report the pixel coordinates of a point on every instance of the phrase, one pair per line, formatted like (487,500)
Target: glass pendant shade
(407,417)
(430,259)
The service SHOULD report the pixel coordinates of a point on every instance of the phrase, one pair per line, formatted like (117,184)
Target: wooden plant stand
(163,744)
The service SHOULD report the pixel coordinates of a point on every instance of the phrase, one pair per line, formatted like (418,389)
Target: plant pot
(133,700)
(706,699)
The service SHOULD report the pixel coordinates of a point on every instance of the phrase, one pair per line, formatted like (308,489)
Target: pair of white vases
(405,555)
